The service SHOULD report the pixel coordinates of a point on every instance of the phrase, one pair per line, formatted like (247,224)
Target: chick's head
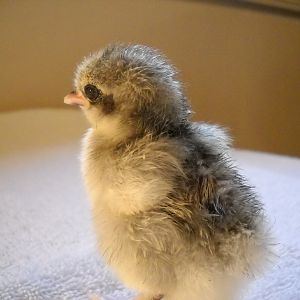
(125,90)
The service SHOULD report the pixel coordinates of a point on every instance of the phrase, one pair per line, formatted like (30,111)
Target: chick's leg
(148,297)
(158,297)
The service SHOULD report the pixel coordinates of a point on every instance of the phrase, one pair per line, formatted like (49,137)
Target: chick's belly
(142,276)
(138,268)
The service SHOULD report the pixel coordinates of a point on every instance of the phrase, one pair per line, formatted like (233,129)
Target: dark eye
(92,93)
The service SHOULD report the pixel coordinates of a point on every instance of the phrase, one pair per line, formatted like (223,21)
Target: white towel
(47,246)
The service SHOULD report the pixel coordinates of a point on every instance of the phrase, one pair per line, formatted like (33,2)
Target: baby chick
(173,217)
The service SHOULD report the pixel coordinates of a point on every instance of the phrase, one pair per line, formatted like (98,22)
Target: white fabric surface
(47,246)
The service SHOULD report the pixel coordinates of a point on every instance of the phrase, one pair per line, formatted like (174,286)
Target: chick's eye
(92,92)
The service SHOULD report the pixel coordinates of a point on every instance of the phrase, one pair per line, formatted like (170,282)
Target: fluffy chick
(173,217)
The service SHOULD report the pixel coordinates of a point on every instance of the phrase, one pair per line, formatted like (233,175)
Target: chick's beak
(74,98)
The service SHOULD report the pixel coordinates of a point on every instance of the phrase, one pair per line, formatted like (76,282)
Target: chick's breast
(130,190)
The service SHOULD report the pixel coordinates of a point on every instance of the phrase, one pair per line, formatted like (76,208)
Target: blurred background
(240,61)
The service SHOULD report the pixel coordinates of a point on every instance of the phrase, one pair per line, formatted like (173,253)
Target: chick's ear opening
(108,104)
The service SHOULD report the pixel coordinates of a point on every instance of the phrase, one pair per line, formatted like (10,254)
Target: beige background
(241,67)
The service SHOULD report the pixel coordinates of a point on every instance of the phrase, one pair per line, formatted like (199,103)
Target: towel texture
(47,245)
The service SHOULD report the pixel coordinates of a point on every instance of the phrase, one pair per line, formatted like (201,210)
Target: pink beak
(74,99)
